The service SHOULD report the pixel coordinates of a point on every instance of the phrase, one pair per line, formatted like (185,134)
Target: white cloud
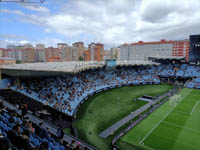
(36,7)
(24,42)
(50,42)
(5,42)
(115,22)
(47,30)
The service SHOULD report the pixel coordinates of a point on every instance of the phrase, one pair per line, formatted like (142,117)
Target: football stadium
(133,96)
(103,105)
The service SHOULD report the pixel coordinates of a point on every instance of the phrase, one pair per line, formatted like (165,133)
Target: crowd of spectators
(17,132)
(65,93)
(194,83)
(179,70)
(192,71)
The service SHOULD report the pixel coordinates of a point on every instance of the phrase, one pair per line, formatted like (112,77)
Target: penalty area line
(173,124)
(182,112)
(148,147)
(194,107)
(156,125)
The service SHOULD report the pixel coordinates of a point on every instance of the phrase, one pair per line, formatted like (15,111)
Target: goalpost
(174,100)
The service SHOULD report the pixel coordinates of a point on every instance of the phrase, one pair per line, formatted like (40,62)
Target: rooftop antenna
(23,1)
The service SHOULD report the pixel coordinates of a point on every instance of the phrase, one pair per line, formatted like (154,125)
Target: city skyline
(28,53)
(111,23)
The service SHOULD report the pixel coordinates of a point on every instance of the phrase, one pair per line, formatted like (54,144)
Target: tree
(80,58)
(18,62)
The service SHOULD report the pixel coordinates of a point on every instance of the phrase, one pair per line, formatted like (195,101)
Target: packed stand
(65,93)
(192,71)
(17,132)
(181,70)
(166,70)
(194,83)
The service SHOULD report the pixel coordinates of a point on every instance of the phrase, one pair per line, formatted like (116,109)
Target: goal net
(174,100)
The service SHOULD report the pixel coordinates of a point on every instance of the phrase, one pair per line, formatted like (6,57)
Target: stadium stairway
(185,70)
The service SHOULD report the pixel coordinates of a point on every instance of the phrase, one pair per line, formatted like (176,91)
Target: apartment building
(140,51)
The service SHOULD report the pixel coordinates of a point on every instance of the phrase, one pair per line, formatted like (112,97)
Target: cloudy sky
(112,22)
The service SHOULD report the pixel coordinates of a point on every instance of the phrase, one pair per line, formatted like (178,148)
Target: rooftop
(168,57)
(59,68)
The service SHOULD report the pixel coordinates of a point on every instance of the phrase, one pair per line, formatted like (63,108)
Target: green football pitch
(106,108)
(170,127)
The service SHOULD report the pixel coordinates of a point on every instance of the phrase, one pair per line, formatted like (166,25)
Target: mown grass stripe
(156,125)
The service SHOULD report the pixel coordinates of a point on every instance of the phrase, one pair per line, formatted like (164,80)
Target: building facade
(114,52)
(86,55)
(2,52)
(7,60)
(52,52)
(63,51)
(75,56)
(181,48)
(40,55)
(28,55)
(96,51)
(25,46)
(141,51)
(79,49)
(107,54)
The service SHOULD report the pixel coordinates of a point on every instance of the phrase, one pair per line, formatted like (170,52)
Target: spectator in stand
(39,128)
(44,146)
(1,104)
(8,85)
(29,127)
(24,109)
(66,92)
(24,141)
(60,134)
(4,142)
(21,136)
(73,145)
(14,135)
(45,133)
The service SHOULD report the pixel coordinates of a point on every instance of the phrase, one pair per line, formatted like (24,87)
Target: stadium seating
(194,83)
(166,70)
(181,70)
(192,71)
(66,93)
(8,121)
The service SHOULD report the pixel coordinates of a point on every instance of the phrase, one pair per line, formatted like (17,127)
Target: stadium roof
(168,57)
(59,68)
(51,66)
(48,68)
(122,63)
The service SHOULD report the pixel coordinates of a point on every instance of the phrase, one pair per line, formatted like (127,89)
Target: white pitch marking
(195,106)
(181,126)
(163,119)
(182,112)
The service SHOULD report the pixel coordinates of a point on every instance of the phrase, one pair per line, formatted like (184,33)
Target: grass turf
(104,109)
(170,127)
